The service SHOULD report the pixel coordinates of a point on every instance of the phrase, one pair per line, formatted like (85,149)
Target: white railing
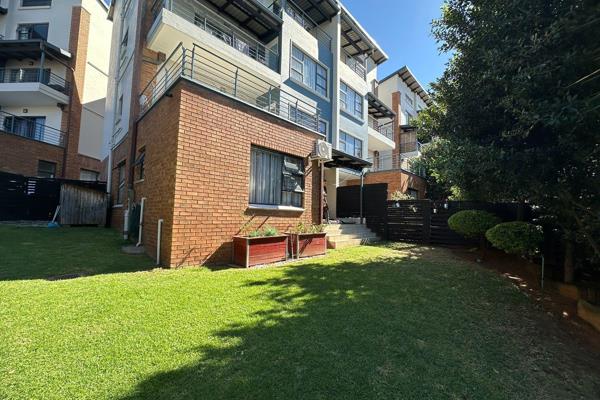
(386,129)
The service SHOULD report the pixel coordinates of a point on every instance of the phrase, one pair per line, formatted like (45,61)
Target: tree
(517,111)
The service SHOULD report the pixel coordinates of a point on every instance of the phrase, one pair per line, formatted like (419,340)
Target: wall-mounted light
(25,110)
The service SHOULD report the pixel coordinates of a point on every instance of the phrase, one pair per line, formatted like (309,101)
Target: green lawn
(362,323)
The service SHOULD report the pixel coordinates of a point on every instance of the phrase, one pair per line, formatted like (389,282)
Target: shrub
(398,195)
(472,223)
(269,231)
(516,237)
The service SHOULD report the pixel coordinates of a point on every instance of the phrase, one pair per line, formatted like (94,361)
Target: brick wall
(396,180)
(211,173)
(20,155)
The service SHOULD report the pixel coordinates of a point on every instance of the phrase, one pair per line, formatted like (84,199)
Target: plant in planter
(307,240)
(259,246)
(473,224)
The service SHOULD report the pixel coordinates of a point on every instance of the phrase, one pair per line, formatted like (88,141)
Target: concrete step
(346,228)
(354,235)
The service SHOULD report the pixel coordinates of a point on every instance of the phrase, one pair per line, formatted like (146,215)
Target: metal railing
(386,129)
(307,23)
(31,128)
(32,75)
(356,65)
(214,24)
(395,163)
(209,69)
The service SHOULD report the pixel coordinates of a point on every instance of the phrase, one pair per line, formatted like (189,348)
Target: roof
(411,81)
(377,108)
(344,160)
(32,48)
(318,11)
(356,41)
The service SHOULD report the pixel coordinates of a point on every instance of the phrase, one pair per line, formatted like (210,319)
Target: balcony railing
(355,65)
(31,128)
(33,75)
(219,27)
(209,69)
(307,23)
(410,147)
(386,129)
(395,163)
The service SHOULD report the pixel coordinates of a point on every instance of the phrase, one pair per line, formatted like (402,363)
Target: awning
(356,41)
(318,11)
(32,49)
(377,109)
(343,160)
(413,84)
(252,15)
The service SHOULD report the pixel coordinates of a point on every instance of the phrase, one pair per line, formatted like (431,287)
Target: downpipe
(141,224)
(158,234)
(126,225)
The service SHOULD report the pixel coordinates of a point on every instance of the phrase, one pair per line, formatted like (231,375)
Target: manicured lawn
(362,323)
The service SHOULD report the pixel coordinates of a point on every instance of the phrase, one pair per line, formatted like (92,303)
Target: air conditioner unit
(322,151)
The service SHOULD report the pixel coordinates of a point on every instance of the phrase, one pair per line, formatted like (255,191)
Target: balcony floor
(30,94)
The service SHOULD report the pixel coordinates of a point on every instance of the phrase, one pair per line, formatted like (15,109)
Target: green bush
(472,223)
(516,237)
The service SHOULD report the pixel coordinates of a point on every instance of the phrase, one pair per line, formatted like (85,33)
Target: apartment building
(214,111)
(54,60)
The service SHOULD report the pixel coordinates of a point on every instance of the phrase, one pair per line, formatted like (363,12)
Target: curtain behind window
(265,177)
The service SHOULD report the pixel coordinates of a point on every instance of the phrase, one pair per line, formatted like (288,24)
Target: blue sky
(403,29)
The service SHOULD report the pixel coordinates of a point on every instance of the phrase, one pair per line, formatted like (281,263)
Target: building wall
(211,197)
(20,155)
(396,180)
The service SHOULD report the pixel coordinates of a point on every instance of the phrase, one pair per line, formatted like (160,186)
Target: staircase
(340,236)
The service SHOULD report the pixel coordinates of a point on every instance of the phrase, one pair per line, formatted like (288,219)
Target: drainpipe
(158,234)
(139,243)
(362,184)
(126,224)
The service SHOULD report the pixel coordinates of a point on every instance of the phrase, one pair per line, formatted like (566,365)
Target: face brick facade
(197,147)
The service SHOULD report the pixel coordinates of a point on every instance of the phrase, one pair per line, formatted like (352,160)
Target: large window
(32,31)
(276,179)
(308,72)
(121,188)
(29,127)
(88,175)
(36,3)
(351,145)
(350,101)
(46,169)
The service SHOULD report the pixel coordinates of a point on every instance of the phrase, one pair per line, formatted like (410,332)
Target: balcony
(191,22)
(205,67)
(356,65)
(410,149)
(394,163)
(31,128)
(385,129)
(308,23)
(32,87)
(381,124)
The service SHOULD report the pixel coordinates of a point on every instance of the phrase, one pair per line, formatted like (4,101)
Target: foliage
(269,231)
(398,195)
(472,223)
(516,237)
(517,111)
(304,228)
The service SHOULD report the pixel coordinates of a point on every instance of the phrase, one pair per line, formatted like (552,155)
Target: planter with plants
(307,241)
(261,246)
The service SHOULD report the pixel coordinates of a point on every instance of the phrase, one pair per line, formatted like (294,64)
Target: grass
(391,322)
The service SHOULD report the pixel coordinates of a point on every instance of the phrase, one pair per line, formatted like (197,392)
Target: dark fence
(30,198)
(348,200)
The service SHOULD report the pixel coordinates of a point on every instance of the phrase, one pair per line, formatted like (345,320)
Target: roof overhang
(318,11)
(344,160)
(357,42)
(22,49)
(411,81)
(377,109)
(252,15)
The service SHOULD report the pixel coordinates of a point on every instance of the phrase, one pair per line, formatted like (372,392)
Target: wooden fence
(82,206)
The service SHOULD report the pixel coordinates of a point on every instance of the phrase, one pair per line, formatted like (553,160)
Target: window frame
(344,100)
(22,5)
(300,71)
(48,163)
(31,26)
(286,178)
(326,123)
(343,139)
(96,173)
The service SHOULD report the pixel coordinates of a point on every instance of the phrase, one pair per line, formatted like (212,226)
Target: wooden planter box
(307,244)
(249,252)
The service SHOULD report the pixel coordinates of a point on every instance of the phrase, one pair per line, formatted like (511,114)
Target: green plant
(472,223)
(317,228)
(303,228)
(516,237)
(255,233)
(398,195)
(269,231)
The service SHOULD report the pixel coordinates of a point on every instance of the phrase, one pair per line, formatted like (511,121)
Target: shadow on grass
(63,253)
(389,327)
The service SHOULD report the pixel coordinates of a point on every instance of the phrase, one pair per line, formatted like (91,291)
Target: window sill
(33,7)
(275,208)
(311,90)
(352,117)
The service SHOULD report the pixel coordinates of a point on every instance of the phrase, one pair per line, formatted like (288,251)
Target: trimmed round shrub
(516,237)
(472,223)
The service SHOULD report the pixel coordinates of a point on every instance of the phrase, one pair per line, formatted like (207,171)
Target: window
(413,193)
(303,118)
(350,101)
(307,71)
(119,113)
(276,179)
(87,175)
(140,165)
(323,129)
(407,118)
(36,3)
(409,100)
(46,169)
(32,31)
(124,42)
(351,145)
(121,181)
(29,127)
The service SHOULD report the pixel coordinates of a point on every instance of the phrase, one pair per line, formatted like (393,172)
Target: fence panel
(82,206)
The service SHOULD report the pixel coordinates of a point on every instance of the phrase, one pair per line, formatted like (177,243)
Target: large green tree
(517,114)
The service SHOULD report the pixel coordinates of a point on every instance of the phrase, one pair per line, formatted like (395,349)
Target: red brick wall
(396,180)
(20,156)
(212,173)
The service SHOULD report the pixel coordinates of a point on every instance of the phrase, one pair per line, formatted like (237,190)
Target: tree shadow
(388,327)
(64,253)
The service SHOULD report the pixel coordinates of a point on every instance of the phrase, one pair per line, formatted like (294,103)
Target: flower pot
(249,252)
(307,244)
